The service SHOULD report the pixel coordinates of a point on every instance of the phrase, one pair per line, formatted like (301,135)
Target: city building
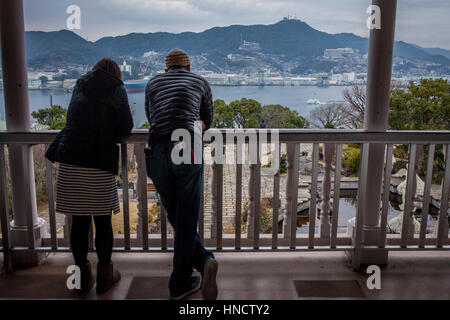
(343,78)
(300,81)
(54,84)
(34,84)
(124,67)
(69,83)
(240,58)
(249,46)
(36,75)
(339,53)
(150,54)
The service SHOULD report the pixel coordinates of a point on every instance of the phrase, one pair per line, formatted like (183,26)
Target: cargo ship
(135,85)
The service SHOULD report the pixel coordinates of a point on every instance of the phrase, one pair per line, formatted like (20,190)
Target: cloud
(420,22)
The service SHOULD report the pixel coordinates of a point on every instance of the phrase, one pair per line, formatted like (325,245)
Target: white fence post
(324,231)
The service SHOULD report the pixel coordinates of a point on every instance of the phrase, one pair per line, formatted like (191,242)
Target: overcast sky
(422,22)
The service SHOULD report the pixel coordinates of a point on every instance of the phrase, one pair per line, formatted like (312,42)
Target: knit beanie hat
(177,57)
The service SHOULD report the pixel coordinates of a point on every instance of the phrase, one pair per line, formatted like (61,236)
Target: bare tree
(348,114)
(355,99)
(355,105)
(329,116)
(274,117)
(40,172)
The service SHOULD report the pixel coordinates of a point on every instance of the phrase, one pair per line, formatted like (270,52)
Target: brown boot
(107,276)
(87,280)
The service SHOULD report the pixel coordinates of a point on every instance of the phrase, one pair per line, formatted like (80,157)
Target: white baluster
(324,231)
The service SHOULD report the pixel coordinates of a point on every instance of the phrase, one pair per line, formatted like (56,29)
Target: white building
(125,67)
(54,84)
(349,77)
(249,46)
(336,78)
(37,75)
(69,83)
(216,78)
(150,54)
(299,81)
(226,79)
(34,84)
(343,77)
(338,53)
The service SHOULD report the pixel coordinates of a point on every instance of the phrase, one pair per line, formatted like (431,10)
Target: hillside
(290,38)
(60,47)
(287,39)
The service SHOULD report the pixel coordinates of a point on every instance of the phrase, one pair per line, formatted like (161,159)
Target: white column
(141,189)
(293,162)
(376,120)
(251,202)
(213,225)
(15,85)
(324,230)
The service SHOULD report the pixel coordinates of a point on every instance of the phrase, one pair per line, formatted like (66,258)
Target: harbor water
(296,98)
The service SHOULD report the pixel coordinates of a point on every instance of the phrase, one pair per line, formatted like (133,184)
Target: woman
(86,149)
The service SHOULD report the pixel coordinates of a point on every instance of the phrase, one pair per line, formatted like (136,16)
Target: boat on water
(135,85)
(314,101)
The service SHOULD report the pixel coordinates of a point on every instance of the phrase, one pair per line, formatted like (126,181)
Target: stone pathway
(229,189)
(59,218)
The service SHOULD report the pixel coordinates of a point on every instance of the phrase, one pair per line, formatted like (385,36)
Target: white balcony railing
(327,237)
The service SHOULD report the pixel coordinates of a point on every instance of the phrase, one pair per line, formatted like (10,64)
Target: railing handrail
(293,139)
(285,135)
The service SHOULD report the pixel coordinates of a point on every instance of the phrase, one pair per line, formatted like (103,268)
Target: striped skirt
(85,191)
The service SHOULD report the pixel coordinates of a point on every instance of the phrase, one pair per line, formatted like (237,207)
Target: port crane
(215,65)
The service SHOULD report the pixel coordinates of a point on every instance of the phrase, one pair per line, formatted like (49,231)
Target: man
(178,99)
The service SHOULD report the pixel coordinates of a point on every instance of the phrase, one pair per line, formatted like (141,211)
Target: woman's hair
(110,66)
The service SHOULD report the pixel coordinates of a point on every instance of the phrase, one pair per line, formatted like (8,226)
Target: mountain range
(287,39)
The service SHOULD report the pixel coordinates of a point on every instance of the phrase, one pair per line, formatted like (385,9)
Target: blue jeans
(180,189)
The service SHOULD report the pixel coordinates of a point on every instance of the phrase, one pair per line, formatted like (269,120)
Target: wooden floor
(418,275)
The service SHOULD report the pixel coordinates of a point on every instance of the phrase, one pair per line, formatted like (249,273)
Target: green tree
(246,113)
(242,113)
(425,106)
(265,216)
(145,126)
(54,117)
(351,157)
(223,115)
(278,116)
(283,163)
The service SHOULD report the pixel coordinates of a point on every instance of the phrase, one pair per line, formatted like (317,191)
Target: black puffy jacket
(98,117)
(175,100)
